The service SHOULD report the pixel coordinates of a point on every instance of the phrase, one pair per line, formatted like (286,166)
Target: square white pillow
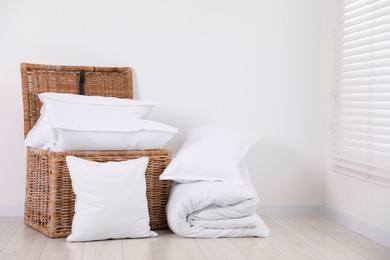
(59,107)
(111,134)
(110,199)
(210,154)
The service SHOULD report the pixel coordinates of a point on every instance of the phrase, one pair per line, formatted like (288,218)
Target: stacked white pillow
(76,122)
(210,154)
(111,134)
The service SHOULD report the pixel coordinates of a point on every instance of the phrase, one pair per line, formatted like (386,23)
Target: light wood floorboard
(222,248)
(103,250)
(292,237)
(257,248)
(59,249)
(318,240)
(288,244)
(175,247)
(361,244)
(25,244)
(8,226)
(142,249)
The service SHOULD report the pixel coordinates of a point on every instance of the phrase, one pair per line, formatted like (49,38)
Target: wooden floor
(292,237)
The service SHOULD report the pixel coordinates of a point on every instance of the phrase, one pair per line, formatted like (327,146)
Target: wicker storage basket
(49,204)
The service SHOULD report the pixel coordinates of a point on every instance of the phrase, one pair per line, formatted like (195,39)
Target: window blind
(361,90)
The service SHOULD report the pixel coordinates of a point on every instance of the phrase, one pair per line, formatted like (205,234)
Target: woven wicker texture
(49,204)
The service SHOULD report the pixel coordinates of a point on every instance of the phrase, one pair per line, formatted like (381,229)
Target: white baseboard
(359,226)
(289,210)
(12,211)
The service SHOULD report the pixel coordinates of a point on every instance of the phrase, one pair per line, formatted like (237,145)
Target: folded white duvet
(214,209)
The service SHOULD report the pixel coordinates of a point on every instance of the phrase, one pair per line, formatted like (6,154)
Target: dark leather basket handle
(81,82)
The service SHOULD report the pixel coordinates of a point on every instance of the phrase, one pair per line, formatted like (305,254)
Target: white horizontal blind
(361,92)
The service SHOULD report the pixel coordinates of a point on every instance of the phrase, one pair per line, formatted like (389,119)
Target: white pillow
(59,107)
(210,154)
(110,199)
(62,106)
(111,134)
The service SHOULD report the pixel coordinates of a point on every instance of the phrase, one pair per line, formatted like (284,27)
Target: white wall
(222,62)
(367,202)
